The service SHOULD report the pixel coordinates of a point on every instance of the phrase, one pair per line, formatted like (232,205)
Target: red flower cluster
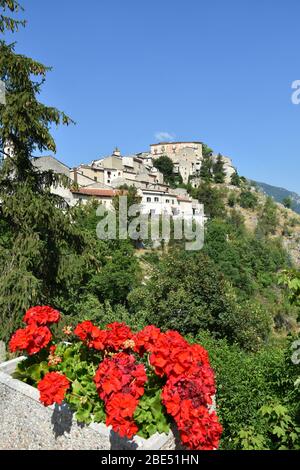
(120,380)
(188,392)
(117,335)
(41,315)
(173,355)
(145,340)
(120,409)
(198,388)
(53,388)
(31,339)
(190,385)
(91,335)
(188,399)
(36,335)
(199,428)
(120,383)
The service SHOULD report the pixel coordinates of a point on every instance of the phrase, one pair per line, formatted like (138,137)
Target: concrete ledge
(27,424)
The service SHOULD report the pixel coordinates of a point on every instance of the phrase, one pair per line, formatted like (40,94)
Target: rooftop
(95,192)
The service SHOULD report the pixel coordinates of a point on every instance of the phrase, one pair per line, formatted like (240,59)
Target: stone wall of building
(171,148)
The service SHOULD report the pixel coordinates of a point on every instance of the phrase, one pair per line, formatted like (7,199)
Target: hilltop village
(101,178)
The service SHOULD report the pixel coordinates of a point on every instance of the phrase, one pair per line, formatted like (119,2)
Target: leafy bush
(212,199)
(245,383)
(268,219)
(248,200)
(282,433)
(231,201)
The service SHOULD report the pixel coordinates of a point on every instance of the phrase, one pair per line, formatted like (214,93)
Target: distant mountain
(279,194)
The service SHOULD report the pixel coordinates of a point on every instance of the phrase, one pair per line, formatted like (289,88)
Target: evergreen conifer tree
(235,179)
(218,170)
(40,239)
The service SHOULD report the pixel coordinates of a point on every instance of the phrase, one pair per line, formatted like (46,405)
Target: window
(167,201)
(95,178)
(108,181)
(172,201)
(156,199)
(148,199)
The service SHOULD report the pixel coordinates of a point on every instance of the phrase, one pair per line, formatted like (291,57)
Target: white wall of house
(84,199)
(111,174)
(157,202)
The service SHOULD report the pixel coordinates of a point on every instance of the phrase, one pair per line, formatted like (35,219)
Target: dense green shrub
(248,200)
(245,383)
(212,199)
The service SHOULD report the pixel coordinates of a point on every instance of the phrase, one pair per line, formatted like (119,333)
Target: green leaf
(83,414)
(278,431)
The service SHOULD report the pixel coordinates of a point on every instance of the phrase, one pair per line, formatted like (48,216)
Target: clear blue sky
(211,70)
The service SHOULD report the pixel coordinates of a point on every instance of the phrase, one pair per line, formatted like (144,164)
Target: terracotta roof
(96,192)
(184,199)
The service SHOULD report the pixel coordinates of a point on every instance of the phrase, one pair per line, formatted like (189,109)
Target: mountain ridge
(279,194)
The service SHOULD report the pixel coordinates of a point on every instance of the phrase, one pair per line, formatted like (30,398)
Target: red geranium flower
(124,427)
(146,339)
(120,409)
(38,338)
(122,404)
(197,388)
(199,428)
(174,356)
(33,338)
(41,315)
(19,340)
(53,388)
(117,335)
(91,335)
(167,343)
(120,373)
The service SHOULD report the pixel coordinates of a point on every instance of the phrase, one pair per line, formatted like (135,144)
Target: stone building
(186,156)
(53,164)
